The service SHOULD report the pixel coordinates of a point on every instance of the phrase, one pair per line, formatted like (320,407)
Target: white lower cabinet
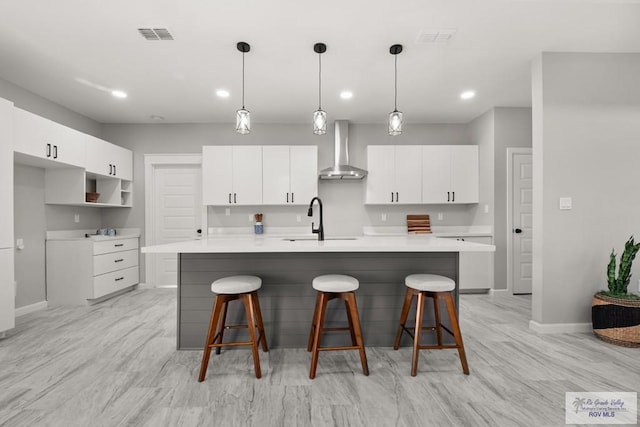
(475,268)
(87,271)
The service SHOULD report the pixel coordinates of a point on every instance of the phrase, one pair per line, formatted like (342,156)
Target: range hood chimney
(341,168)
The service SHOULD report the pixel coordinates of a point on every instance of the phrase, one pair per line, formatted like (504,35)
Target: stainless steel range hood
(341,168)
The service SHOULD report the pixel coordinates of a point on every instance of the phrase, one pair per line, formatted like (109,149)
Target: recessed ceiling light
(157,118)
(467,94)
(346,94)
(222,93)
(119,94)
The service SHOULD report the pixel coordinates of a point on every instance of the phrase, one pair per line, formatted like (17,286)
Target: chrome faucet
(320,230)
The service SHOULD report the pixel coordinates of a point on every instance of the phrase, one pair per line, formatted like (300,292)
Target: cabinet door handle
(48,150)
(119,278)
(448,196)
(392,197)
(397,197)
(292,197)
(453,199)
(287,197)
(229,197)
(119,260)
(117,245)
(517,230)
(114,170)
(55,151)
(110,169)
(234,198)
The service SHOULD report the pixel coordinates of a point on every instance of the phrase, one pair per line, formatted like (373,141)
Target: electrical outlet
(486,208)
(227,211)
(250,217)
(76,218)
(298,218)
(440,216)
(383,217)
(210,230)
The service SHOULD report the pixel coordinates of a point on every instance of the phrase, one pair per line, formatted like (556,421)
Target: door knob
(517,230)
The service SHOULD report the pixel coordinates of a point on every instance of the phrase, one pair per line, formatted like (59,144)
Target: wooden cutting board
(418,224)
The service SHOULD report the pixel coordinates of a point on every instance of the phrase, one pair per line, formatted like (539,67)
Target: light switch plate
(565,203)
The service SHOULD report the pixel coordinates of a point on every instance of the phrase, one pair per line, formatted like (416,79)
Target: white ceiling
(72,51)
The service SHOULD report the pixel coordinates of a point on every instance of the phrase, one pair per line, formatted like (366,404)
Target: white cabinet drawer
(108,246)
(114,261)
(111,282)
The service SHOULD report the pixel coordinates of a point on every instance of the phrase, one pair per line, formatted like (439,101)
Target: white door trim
(151,161)
(511,151)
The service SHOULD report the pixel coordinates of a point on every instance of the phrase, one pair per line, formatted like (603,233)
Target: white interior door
(177,203)
(521,233)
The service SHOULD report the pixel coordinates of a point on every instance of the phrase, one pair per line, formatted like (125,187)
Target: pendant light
(395,117)
(319,116)
(243,119)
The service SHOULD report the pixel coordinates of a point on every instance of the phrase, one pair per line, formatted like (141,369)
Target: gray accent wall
(586,145)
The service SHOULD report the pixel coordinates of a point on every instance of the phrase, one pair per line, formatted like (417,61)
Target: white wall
(586,145)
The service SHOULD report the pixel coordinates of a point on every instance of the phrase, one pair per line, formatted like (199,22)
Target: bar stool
(229,289)
(438,288)
(332,286)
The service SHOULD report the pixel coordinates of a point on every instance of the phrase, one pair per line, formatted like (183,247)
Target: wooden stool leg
(223,324)
(318,333)
(354,340)
(416,334)
(436,311)
(352,309)
(408,297)
(251,323)
(455,326)
(258,314)
(312,332)
(215,314)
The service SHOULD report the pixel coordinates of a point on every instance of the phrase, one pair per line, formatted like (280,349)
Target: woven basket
(92,197)
(616,320)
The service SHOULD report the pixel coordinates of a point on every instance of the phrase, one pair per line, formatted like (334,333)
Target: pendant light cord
(243,80)
(395,99)
(319,81)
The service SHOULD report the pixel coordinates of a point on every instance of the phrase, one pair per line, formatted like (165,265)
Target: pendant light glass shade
(243,117)
(319,116)
(395,123)
(319,122)
(243,121)
(395,117)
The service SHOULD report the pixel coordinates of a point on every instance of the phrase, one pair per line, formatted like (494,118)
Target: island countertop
(284,244)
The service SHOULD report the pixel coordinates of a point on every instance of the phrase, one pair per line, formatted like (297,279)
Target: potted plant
(615,313)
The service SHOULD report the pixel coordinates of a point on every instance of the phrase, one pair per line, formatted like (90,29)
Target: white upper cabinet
(450,174)
(42,138)
(6,175)
(289,174)
(232,175)
(395,174)
(107,159)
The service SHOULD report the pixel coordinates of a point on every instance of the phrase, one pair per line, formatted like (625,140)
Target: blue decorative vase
(257,228)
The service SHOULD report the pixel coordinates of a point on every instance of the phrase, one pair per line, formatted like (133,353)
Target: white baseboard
(145,286)
(560,328)
(42,305)
(499,292)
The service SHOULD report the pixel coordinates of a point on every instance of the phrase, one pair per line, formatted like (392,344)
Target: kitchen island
(287,265)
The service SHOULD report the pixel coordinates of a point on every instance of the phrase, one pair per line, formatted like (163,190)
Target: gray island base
(287,298)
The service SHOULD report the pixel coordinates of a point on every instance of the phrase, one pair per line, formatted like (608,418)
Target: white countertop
(266,244)
(124,233)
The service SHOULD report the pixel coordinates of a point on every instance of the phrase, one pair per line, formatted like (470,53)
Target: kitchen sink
(297,239)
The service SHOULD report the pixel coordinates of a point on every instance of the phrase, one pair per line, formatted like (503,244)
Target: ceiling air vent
(442,35)
(155,33)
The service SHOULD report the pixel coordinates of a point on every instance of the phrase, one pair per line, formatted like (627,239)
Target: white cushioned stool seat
(236,285)
(430,282)
(335,283)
